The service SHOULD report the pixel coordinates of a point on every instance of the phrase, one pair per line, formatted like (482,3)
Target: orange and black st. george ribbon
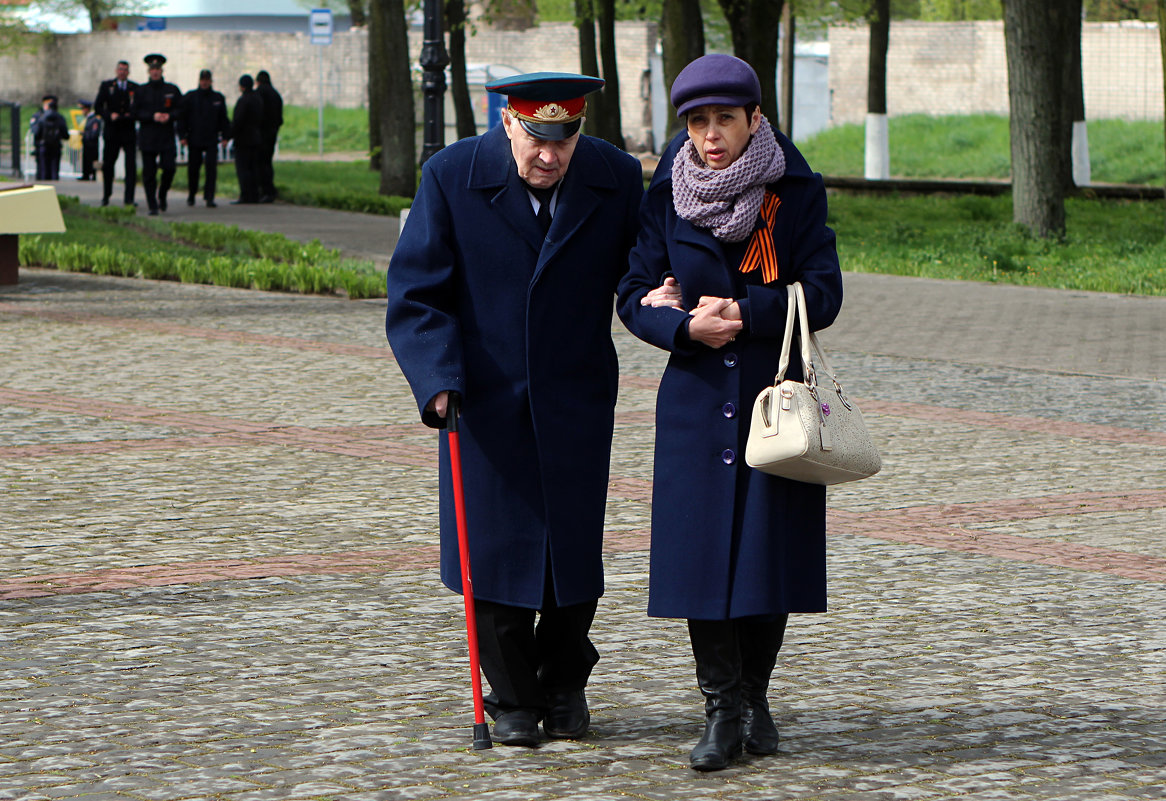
(761,252)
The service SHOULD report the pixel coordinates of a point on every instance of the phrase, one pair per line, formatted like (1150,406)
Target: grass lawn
(1111,246)
(977,146)
(344,185)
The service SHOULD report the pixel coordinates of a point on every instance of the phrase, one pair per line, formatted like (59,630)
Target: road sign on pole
(320,26)
(320,33)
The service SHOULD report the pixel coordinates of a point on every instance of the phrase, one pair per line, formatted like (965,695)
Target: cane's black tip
(482,739)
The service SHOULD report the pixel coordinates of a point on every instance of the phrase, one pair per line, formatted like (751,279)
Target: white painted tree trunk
(878,154)
(1081,170)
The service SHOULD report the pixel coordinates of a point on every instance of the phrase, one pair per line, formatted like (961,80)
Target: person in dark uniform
(49,129)
(247,131)
(114,99)
(201,128)
(504,227)
(90,140)
(272,121)
(157,107)
(733,215)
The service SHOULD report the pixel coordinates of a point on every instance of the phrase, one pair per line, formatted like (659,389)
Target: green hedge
(222,255)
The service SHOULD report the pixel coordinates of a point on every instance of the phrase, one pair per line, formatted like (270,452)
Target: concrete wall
(961,68)
(72,66)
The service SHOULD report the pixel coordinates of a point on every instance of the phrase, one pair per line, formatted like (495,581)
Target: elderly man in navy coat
(501,290)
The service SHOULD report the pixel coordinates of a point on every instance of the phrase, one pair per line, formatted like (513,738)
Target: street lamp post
(434,59)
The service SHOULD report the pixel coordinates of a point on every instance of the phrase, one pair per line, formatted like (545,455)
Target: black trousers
(267,168)
(151,161)
(48,163)
(120,143)
(247,170)
(524,662)
(88,160)
(196,157)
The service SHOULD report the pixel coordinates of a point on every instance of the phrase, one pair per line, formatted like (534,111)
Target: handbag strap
(796,312)
(808,340)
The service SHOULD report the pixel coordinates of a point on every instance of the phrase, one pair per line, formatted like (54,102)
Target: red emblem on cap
(554,112)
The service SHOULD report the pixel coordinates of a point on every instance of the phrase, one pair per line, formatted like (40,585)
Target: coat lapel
(494,171)
(704,254)
(588,177)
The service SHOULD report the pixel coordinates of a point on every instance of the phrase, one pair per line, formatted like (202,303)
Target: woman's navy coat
(727,540)
(479,304)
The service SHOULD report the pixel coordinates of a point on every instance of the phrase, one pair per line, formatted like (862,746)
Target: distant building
(272,16)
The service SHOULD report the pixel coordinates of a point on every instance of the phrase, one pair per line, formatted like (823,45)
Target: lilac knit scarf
(727,201)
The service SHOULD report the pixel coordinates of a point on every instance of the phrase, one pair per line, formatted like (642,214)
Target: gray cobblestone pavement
(218,548)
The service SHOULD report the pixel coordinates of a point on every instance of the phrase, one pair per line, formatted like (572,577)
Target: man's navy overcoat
(481,304)
(727,540)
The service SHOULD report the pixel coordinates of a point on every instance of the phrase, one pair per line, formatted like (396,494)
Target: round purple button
(727,456)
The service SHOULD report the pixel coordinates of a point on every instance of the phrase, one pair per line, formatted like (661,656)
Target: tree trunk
(754,26)
(1077,169)
(878,158)
(1162,39)
(356,13)
(397,118)
(611,123)
(97,12)
(682,35)
(788,57)
(1035,39)
(377,79)
(880,42)
(589,63)
(463,108)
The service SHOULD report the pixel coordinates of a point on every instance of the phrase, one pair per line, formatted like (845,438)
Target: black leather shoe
(153,212)
(567,716)
(758,729)
(719,745)
(105,201)
(210,204)
(190,200)
(517,728)
(162,203)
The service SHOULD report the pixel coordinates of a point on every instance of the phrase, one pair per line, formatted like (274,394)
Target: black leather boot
(718,672)
(760,639)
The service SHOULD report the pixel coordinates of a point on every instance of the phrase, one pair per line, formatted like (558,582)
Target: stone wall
(72,66)
(961,68)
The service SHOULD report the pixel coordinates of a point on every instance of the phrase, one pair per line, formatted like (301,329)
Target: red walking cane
(481,729)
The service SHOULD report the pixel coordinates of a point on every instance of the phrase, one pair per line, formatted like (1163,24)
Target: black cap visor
(551,132)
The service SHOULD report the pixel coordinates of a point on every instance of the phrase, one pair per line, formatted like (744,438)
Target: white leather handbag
(801,430)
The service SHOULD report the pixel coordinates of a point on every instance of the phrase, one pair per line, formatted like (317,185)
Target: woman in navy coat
(732,216)
(483,303)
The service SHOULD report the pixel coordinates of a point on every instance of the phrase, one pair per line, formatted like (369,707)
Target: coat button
(729,410)
(730,360)
(727,456)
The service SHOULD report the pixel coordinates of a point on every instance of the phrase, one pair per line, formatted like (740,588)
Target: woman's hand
(710,324)
(667,294)
(730,312)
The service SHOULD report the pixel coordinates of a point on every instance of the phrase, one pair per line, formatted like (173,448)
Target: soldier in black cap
(506,228)
(157,107)
(49,129)
(90,136)
(201,128)
(247,131)
(115,98)
(272,121)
